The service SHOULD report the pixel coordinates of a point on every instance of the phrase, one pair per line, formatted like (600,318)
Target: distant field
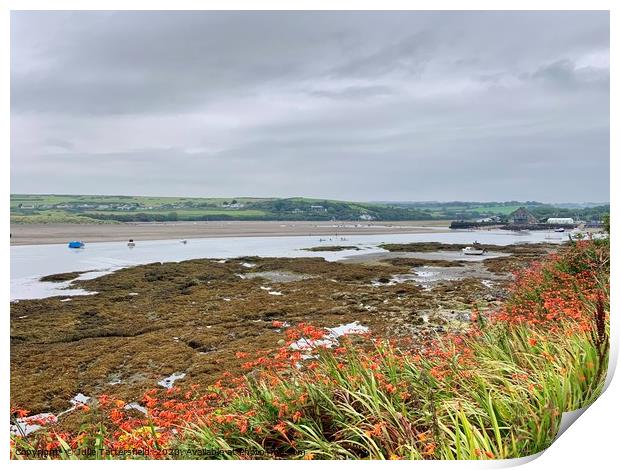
(189,212)
(17,199)
(39,208)
(56,218)
(491,209)
(46,208)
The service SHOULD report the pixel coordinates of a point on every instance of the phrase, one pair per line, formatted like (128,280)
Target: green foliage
(497,391)
(24,208)
(27,208)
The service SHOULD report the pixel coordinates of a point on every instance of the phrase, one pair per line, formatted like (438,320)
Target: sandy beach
(38,234)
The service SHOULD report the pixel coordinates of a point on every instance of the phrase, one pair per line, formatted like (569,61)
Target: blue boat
(76,244)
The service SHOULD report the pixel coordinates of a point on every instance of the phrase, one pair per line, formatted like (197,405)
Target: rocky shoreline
(152,321)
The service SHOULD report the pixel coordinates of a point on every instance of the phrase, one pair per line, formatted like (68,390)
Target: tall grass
(496,391)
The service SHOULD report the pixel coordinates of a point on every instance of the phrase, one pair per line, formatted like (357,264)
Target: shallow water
(30,262)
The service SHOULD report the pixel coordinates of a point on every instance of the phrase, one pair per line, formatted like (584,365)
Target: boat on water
(559,230)
(131,243)
(184,242)
(76,244)
(475,249)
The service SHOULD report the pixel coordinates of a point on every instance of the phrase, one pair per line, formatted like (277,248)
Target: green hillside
(48,208)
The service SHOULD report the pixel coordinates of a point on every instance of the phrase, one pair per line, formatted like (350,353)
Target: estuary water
(31,262)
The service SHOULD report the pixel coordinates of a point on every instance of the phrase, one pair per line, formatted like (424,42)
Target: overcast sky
(346,105)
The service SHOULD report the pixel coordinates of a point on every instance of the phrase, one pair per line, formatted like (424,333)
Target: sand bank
(37,234)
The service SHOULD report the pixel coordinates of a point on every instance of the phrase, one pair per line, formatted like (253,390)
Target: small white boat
(131,243)
(472,250)
(184,242)
(559,230)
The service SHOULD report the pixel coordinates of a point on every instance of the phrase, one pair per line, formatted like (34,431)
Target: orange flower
(547,356)
(242,425)
(429,449)
(532,341)
(280,427)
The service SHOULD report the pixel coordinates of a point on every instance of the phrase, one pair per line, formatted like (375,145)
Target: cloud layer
(349,105)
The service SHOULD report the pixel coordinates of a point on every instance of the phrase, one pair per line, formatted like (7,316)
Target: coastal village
(522,219)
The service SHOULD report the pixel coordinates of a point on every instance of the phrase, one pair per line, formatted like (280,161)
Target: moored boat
(76,244)
(473,250)
(131,243)
(559,230)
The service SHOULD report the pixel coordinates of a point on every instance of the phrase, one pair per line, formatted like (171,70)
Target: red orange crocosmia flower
(544,297)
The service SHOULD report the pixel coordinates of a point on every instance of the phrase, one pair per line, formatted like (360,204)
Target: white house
(560,220)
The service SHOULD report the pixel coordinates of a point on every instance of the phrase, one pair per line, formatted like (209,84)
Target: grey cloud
(352,105)
(563,73)
(407,56)
(360,92)
(58,143)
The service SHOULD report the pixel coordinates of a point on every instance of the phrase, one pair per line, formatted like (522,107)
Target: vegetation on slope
(463,210)
(33,208)
(496,391)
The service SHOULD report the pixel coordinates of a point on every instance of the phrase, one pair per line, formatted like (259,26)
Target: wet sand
(39,234)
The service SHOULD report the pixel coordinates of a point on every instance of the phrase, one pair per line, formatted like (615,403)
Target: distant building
(522,217)
(318,208)
(560,220)
(366,217)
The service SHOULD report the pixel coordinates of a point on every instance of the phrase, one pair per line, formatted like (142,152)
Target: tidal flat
(158,320)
